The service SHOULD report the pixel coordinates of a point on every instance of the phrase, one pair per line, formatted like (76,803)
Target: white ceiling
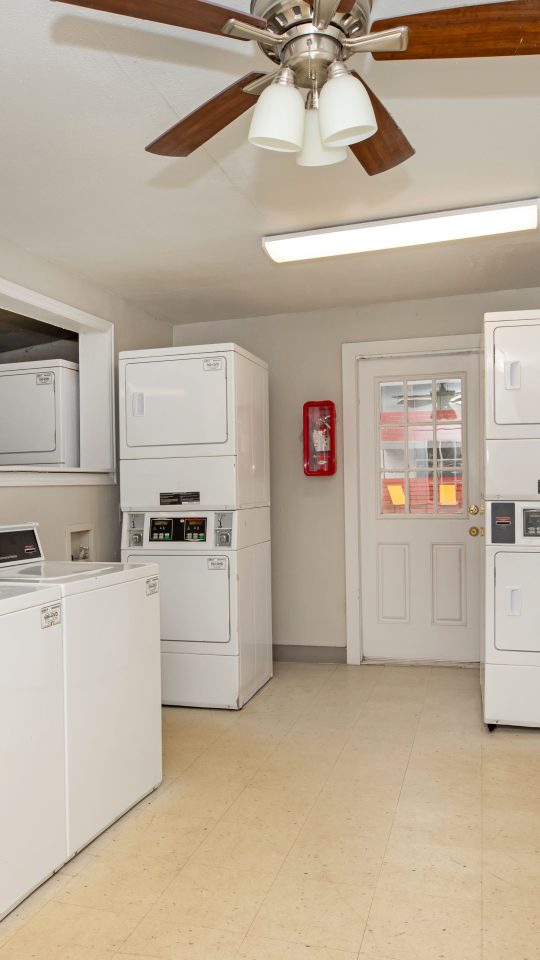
(81,93)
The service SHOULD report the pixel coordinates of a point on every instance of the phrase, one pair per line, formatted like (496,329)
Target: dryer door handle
(512,375)
(137,404)
(513,602)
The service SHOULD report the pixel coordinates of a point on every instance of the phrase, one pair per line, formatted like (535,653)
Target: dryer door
(517,601)
(30,427)
(176,402)
(195,599)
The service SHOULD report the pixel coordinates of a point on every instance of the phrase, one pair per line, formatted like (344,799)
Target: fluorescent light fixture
(404,232)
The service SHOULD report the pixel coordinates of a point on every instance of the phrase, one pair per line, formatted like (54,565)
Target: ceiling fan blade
(190,14)
(206,121)
(486,30)
(388,147)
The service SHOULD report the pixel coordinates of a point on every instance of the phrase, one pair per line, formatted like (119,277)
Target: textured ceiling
(81,93)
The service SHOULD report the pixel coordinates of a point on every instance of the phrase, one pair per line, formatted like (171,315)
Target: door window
(421,446)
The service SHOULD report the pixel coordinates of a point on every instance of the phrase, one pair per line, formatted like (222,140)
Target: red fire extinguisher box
(319,438)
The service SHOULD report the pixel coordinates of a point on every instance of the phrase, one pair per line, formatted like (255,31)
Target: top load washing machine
(193,429)
(110,615)
(32,751)
(40,413)
(512,405)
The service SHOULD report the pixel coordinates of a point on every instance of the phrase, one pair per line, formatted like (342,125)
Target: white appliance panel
(516,380)
(517,601)
(176,402)
(512,469)
(146,482)
(32,754)
(113,715)
(195,597)
(30,426)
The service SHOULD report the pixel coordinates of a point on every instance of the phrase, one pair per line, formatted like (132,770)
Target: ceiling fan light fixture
(279,117)
(345,111)
(314,153)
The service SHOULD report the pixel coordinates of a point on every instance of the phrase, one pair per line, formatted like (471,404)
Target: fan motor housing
(309,52)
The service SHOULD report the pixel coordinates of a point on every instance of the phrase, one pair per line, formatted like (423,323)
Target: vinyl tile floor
(347,813)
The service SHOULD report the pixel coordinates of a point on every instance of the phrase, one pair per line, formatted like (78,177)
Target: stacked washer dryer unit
(511,662)
(195,493)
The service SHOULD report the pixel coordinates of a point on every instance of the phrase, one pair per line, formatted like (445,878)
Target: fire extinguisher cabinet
(319,438)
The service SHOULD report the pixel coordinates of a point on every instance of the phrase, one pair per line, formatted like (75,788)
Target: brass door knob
(474,531)
(474,510)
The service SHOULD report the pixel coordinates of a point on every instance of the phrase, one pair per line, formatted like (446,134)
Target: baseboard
(304,654)
(465,665)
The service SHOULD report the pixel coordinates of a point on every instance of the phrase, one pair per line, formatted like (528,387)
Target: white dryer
(32,753)
(512,405)
(511,660)
(193,429)
(43,422)
(110,614)
(216,621)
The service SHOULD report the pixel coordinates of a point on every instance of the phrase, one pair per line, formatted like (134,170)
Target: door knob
(476,531)
(473,510)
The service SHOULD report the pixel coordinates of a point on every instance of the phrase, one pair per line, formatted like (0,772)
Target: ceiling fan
(309,42)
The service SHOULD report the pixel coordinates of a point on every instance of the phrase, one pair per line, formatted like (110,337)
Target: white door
(176,402)
(195,601)
(420,455)
(27,413)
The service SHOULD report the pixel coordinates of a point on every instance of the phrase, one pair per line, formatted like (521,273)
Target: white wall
(304,355)
(56,508)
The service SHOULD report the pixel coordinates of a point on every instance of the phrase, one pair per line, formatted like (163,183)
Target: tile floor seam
(430,675)
(307,815)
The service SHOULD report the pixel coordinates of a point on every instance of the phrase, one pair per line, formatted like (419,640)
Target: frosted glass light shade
(345,112)
(278,121)
(314,153)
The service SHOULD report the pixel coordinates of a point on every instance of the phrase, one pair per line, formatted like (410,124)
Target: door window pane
(448,393)
(421,491)
(420,401)
(392,408)
(393,493)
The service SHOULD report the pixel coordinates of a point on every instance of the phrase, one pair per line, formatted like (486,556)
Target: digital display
(178,529)
(531,523)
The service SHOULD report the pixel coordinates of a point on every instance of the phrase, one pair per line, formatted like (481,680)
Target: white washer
(32,752)
(215,601)
(511,661)
(110,614)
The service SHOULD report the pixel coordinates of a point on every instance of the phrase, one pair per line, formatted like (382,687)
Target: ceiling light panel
(403,232)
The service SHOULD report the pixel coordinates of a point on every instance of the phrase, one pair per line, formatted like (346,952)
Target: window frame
(96,392)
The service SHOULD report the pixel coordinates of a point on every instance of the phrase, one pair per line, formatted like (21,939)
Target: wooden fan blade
(388,147)
(190,14)
(486,30)
(206,121)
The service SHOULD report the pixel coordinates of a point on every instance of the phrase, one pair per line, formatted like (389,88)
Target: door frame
(351,354)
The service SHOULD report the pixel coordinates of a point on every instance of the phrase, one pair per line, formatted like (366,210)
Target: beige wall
(57,508)
(304,355)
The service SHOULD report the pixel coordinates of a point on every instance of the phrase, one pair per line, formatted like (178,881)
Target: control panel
(211,529)
(531,522)
(18,545)
(178,529)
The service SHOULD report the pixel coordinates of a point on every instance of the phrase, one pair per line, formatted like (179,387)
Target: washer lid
(15,596)
(60,571)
